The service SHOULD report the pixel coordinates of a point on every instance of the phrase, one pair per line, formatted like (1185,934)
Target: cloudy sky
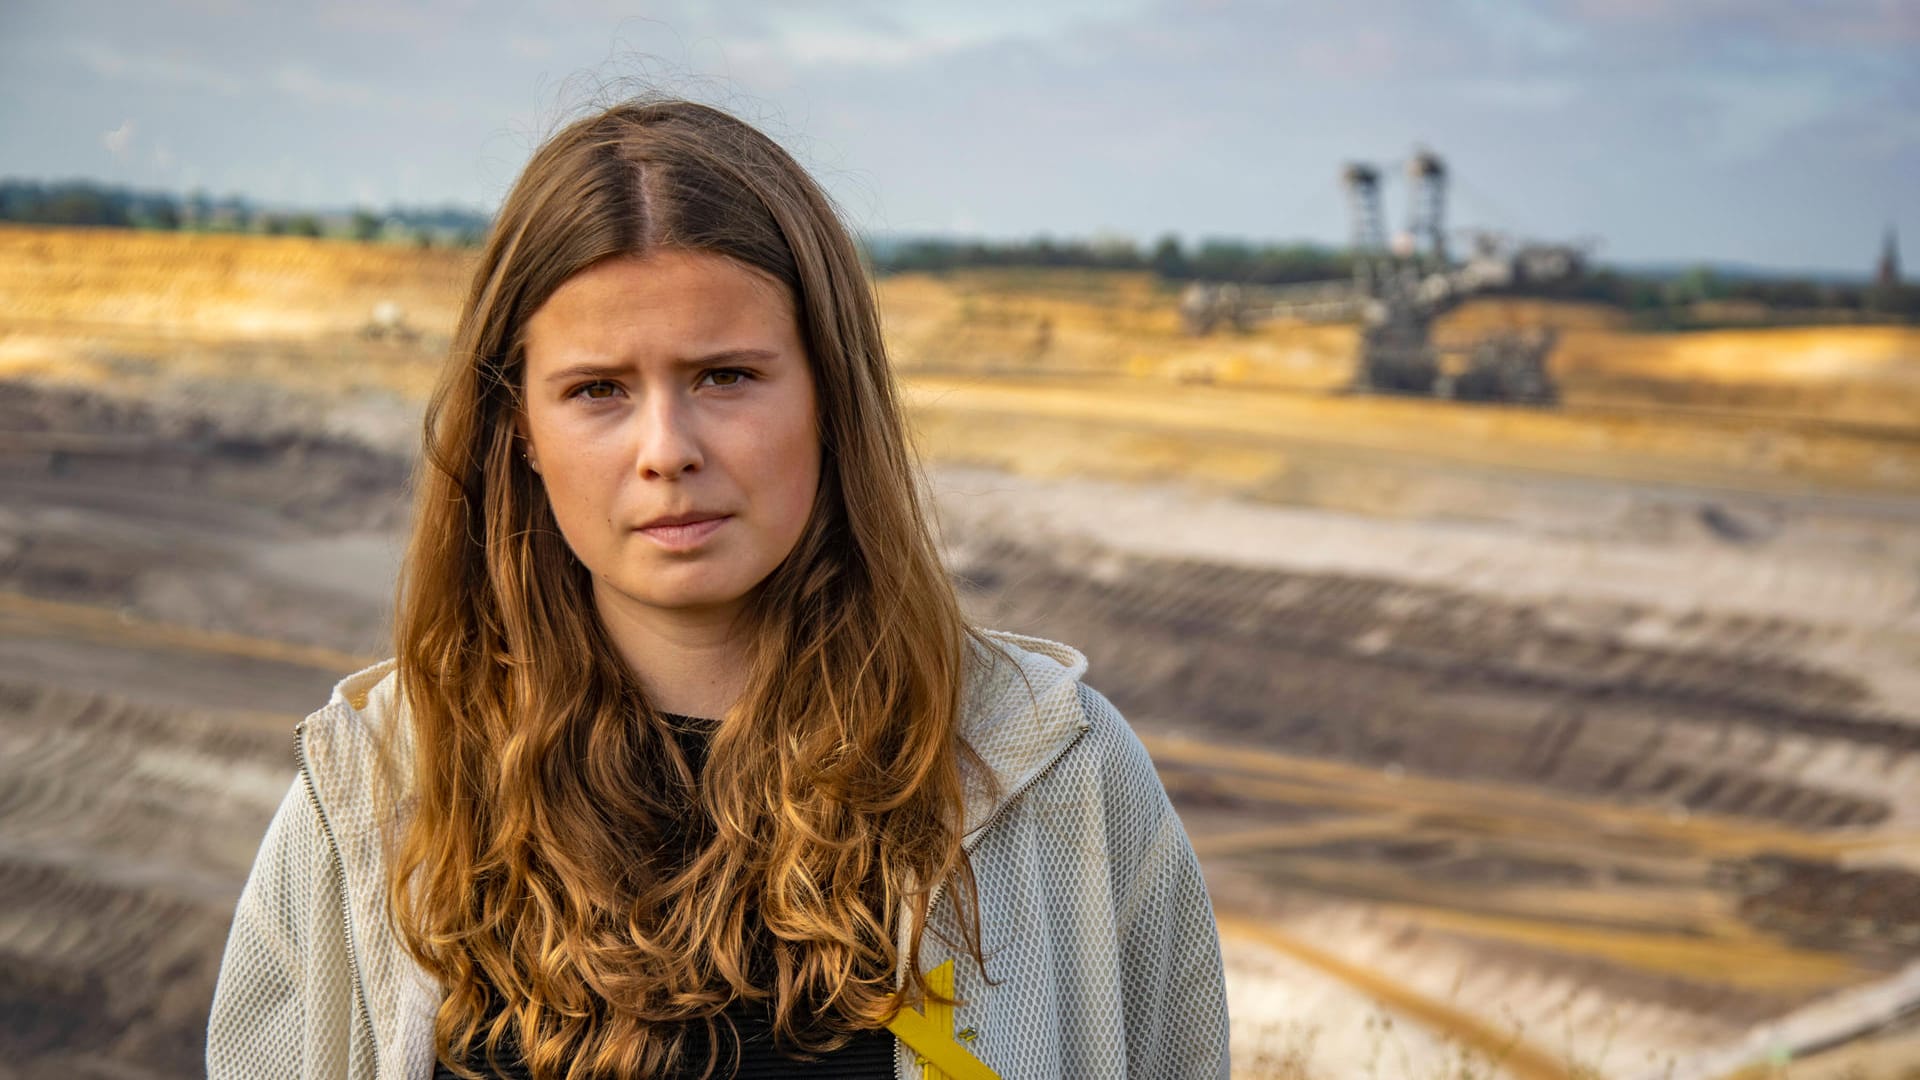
(1775,132)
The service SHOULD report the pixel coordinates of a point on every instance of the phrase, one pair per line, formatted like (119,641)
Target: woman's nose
(669,444)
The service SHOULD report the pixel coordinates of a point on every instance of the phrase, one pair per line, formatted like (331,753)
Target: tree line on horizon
(88,204)
(1687,297)
(1696,295)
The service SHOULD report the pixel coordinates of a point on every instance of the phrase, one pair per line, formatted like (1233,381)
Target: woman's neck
(690,662)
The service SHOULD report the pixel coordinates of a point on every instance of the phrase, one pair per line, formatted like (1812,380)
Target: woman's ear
(525,440)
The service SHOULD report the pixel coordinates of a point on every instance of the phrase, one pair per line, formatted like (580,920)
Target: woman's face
(669,411)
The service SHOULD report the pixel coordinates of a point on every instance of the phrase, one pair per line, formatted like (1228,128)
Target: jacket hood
(1020,711)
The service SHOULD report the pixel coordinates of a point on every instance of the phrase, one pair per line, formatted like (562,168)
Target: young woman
(688,763)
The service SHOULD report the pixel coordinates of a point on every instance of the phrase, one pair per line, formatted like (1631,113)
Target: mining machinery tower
(1400,287)
(1405,285)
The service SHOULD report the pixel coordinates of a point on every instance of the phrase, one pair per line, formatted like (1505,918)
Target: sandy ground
(1537,744)
(1512,792)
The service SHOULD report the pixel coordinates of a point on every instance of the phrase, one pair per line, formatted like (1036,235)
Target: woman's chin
(691,600)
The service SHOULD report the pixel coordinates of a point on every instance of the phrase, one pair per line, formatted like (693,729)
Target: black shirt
(867,1056)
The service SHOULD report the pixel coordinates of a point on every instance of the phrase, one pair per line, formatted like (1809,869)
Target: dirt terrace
(1553,812)
(1545,743)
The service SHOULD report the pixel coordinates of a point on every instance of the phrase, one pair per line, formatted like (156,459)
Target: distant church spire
(1889,275)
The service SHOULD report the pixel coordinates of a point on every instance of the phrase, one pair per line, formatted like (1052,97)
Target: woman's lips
(684,537)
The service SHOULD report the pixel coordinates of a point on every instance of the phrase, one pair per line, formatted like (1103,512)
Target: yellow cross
(930,1034)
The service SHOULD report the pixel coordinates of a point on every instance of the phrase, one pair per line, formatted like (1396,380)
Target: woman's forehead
(664,305)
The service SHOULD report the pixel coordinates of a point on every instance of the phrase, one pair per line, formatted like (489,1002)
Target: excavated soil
(1697,817)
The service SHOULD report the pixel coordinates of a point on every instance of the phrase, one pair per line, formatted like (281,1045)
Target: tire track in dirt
(1505,1049)
(126,830)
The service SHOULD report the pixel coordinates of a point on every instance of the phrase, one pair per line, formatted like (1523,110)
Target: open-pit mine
(1579,741)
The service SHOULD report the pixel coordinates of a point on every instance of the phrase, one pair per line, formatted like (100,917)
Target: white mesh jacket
(1102,959)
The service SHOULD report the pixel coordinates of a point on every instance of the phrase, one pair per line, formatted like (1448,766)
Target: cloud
(1523,94)
(872,47)
(120,140)
(294,79)
(1876,24)
(113,64)
(302,82)
(530,48)
(890,36)
(1631,117)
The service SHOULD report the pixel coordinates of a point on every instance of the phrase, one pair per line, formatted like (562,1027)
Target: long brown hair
(531,870)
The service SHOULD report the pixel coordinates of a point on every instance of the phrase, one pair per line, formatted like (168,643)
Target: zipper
(346,905)
(999,812)
(979,834)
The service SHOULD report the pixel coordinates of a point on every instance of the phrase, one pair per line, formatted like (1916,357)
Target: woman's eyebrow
(732,356)
(724,356)
(588,371)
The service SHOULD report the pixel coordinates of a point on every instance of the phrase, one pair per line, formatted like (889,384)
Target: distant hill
(87,203)
(1670,270)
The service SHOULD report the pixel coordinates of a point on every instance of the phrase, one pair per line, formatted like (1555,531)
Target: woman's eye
(595,391)
(726,377)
